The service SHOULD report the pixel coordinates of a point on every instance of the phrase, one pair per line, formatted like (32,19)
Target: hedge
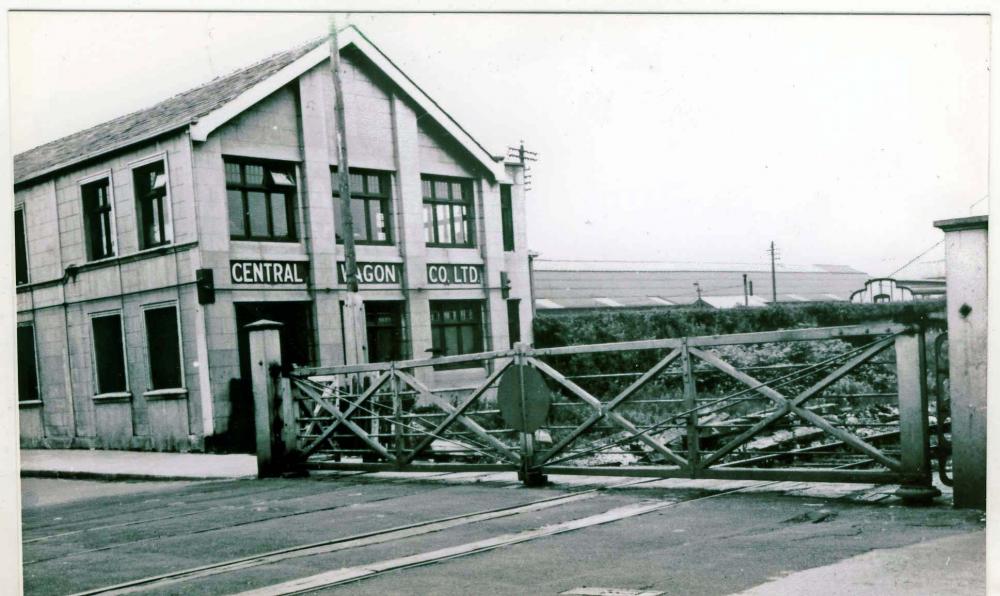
(554,328)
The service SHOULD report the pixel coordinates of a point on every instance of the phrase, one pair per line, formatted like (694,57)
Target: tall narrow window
(27,369)
(514,321)
(163,342)
(384,322)
(150,183)
(261,199)
(507,217)
(20,249)
(456,328)
(369,207)
(97,216)
(109,353)
(448,211)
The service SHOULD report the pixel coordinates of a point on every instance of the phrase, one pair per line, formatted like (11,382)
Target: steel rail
(346,542)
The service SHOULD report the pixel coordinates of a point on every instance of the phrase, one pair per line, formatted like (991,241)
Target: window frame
(469,202)
(507,217)
(479,335)
(38,381)
(19,210)
(513,307)
(168,215)
(386,182)
(112,224)
(401,324)
(291,197)
(180,347)
(127,391)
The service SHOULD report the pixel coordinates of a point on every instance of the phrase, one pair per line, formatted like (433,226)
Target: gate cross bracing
(759,406)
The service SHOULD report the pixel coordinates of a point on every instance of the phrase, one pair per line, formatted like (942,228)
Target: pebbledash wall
(223,255)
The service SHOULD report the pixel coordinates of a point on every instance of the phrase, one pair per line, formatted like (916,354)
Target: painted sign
(269,272)
(451,274)
(373,273)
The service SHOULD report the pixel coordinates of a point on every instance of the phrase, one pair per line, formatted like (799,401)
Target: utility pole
(354,327)
(746,296)
(697,288)
(774,282)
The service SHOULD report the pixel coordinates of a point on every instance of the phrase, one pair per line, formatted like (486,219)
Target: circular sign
(523,411)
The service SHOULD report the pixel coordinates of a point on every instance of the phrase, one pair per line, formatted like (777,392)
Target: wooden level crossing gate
(840,404)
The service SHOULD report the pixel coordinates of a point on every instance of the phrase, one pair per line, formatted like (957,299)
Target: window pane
(507,217)
(357,183)
(338,222)
(279,215)
(374,187)
(440,189)
(358,216)
(461,224)
(232,173)
(451,340)
(443,224)
(469,339)
(378,221)
(429,223)
(282,179)
(237,226)
(20,249)
(254,174)
(109,354)
(427,188)
(27,372)
(164,348)
(456,191)
(257,206)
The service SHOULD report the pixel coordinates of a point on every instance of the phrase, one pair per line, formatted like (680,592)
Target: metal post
(690,403)
(265,352)
(911,383)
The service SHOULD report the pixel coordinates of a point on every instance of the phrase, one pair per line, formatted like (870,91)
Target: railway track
(345,575)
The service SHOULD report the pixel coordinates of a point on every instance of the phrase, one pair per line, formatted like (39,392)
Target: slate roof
(171,114)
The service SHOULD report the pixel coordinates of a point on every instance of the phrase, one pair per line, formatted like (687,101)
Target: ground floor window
(27,370)
(385,323)
(456,328)
(163,342)
(109,353)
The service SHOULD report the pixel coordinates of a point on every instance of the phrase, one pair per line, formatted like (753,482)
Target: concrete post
(911,385)
(966,265)
(265,352)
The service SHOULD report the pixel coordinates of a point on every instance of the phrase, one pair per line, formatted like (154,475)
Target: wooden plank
(461,418)
(318,373)
(691,404)
(459,411)
(791,474)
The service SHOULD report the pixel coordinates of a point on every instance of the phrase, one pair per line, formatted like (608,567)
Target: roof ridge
(310,45)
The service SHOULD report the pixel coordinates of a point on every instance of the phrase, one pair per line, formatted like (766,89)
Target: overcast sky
(672,138)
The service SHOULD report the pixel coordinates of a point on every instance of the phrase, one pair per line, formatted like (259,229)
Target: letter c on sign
(233,269)
(432,274)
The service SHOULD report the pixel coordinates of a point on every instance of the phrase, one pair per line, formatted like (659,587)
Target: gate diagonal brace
(455,414)
(470,424)
(807,415)
(603,411)
(350,410)
(342,419)
(809,393)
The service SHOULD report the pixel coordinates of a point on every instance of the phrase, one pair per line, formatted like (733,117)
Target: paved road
(719,545)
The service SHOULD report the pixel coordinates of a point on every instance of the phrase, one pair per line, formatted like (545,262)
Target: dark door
(384,322)
(296,348)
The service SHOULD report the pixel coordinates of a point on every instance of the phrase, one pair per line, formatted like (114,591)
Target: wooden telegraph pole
(353,314)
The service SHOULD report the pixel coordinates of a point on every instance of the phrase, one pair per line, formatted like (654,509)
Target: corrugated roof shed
(597,284)
(171,114)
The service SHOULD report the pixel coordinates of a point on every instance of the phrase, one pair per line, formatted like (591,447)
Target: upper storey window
(448,211)
(20,249)
(261,200)
(150,183)
(370,199)
(98,219)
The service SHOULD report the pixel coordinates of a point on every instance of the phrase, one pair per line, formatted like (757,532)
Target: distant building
(637,284)
(923,279)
